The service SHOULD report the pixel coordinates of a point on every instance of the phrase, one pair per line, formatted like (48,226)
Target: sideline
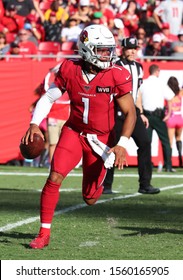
(73,174)
(79,206)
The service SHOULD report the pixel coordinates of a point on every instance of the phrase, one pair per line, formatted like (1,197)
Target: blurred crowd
(25,25)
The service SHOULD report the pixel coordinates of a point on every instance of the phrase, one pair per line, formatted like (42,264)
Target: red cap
(165,25)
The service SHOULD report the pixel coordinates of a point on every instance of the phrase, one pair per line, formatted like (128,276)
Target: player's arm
(139,105)
(139,101)
(42,109)
(169,110)
(126,105)
(157,18)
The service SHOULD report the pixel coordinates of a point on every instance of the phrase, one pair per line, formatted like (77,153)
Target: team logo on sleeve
(103,89)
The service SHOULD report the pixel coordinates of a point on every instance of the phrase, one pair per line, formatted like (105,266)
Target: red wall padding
(17,83)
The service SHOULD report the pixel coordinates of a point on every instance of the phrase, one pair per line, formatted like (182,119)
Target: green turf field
(121,226)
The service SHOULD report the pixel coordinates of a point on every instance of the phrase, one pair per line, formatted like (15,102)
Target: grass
(121,226)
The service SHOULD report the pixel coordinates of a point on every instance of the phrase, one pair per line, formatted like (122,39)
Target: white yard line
(79,206)
(73,174)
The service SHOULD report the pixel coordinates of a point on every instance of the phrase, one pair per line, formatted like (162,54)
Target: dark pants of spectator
(143,143)
(156,123)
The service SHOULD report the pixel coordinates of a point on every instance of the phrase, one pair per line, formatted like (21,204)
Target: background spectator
(177,46)
(124,18)
(147,21)
(170,11)
(140,50)
(60,12)
(4,47)
(11,21)
(175,119)
(14,49)
(167,37)
(130,17)
(96,18)
(141,34)
(33,35)
(108,13)
(23,7)
(39,13)
(119,33)
(1,9)
(37,27)
(52,28)
(120,28)
(26,46)
(83,12)
(155,48)
(71,30)
(152,95)
(14,52)
(72,7)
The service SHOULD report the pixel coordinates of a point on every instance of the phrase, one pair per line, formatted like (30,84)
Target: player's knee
(93,197)
(90,201)
(56,177)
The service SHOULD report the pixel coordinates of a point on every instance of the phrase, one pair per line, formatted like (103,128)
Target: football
(32,149)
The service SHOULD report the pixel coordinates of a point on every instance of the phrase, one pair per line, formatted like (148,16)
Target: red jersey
(92,104)
(27,48)
(13,24)
(1,9)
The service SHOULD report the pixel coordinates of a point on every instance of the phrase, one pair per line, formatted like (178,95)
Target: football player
(93,83)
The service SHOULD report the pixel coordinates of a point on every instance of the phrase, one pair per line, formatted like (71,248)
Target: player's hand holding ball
(32,144)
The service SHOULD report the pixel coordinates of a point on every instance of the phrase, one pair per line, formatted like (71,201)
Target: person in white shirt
(151,96)
(71,31)
(170,11)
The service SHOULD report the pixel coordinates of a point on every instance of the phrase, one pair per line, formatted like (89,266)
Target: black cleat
(149,190)
(170,170)
(107,191)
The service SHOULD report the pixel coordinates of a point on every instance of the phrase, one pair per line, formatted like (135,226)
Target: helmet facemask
(103,56)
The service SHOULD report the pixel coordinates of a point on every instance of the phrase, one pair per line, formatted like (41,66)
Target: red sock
(49,199)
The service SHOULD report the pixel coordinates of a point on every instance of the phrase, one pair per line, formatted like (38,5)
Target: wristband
(141,113)
(123,142)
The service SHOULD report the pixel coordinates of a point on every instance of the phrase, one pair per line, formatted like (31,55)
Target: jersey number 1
(86,109)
